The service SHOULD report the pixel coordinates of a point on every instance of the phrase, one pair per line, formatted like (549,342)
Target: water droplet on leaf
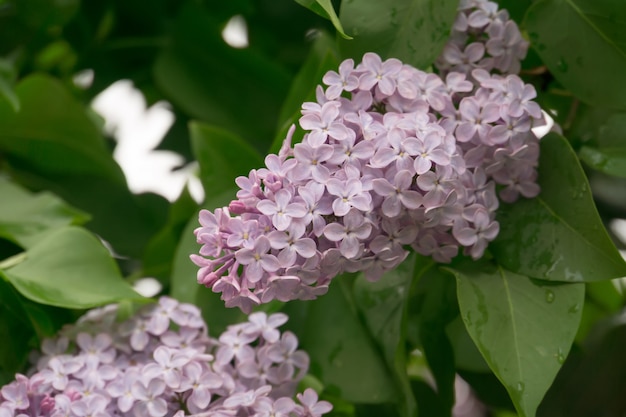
(562,65)
(560,357)
(520,387)
(574,309)
(549,296)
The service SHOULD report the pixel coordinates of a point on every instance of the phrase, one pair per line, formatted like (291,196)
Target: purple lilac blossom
(95,369)
(392,157)
(482,37)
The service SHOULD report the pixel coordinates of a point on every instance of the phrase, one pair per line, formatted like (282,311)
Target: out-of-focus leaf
(16,332)
(609,153)
(516,8)
(558,235)
(436,306)
(325,9)
(43,13)
(204,76)
(414,31)
(583,43)
(222,156)
(51,144)
(25,217)
(383,304)
(53,133)
(322,58)
(7,92)
(523,328)
(159,254)
(339,346)
(70,268)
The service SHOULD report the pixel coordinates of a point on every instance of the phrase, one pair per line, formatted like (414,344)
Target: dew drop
(549,296)
(520,387)
(574,309)
(562,65)
(560,357)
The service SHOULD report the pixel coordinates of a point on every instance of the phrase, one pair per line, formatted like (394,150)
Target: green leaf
(53,144)
(7,92)
(222,156)
(25,217)
(343,355)
(159,254)
(558,235)
(523,328)
(609,153)
(436,306)
(53,133)
(414,31)
(383,304)
(16,331)
(322,58)
(204,77)
(592,380)
(325,9)
(583,43)
(70,268)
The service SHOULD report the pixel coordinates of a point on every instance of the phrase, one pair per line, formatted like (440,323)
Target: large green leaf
(414,31)
(343,354)
(609,153)
(53,132)
(523,328)
(236,89)
(583,43)
(384,304)
(222,156)
(25,217)
(70,268)
(325,9)
(557,235)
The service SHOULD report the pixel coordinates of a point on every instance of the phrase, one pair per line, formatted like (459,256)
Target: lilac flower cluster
(393,156)
(483,37)
(161,362)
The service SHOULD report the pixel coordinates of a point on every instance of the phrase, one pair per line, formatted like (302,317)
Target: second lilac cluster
(483,36)
(392,157)
(162,363)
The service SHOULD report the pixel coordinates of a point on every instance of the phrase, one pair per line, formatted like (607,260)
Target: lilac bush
(393,157)
(162,362)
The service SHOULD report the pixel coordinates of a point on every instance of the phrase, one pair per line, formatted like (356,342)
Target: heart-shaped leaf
(523,328)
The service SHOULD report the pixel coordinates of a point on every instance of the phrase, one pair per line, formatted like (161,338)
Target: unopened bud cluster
(392,156)
(161,362)
(483,37)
